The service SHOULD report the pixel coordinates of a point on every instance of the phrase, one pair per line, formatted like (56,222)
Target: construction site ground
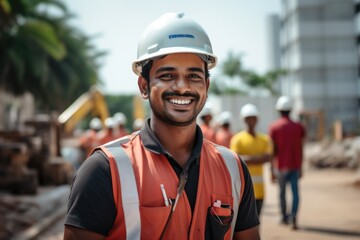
(329,209)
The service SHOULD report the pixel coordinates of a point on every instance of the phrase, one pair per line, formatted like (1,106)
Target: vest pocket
(219,217)
(217,225)
(153,220)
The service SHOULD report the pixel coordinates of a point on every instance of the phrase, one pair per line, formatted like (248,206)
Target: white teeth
(181,102)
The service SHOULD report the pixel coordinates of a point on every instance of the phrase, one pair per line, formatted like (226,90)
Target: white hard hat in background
(283,104)
(225,117)
(138,123)
(207,110)
(120,118)
(95,123)
(249,110)
(173,33)
(109,122)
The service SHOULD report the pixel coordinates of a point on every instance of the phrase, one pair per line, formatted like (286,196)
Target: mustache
(175,94)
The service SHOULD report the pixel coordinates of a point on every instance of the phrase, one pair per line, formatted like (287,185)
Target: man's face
(251,121)
(177,88)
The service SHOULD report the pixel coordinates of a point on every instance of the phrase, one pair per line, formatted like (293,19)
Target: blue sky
(233,25)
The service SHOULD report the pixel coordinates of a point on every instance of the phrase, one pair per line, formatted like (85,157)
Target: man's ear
(143,87)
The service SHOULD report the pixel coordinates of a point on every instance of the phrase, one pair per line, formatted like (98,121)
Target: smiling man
(165,181)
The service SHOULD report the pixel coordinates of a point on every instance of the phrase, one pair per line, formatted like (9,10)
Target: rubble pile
(334,154)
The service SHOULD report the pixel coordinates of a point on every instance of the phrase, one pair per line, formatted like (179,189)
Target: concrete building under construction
(316,41)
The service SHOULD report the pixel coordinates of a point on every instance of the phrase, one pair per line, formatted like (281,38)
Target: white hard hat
(206,111)
(120,118)
(225,117)
(95,124)
(283,104)
(249,110)
(138,123)
(173,33)
(109,122)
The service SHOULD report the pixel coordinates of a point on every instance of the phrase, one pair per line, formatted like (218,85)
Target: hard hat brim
(137,65)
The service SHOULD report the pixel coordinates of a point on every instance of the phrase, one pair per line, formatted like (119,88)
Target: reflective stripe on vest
(233,169)
(129,192)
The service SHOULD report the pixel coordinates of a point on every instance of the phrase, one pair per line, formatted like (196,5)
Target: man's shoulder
(276,122)
(281,124)
(240,134)
(95,163)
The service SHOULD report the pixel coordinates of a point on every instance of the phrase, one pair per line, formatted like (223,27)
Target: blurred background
(66,85)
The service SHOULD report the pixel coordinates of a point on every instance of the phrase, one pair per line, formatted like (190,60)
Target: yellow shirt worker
(254,148)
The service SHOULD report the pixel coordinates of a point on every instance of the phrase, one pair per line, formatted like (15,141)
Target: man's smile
(180,101)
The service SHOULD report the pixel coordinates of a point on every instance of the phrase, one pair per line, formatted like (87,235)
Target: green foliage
(266,81)
(43,54)
(232,67)
(5,6)
(43,35)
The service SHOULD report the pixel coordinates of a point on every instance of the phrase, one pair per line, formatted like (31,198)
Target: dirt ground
(329,207)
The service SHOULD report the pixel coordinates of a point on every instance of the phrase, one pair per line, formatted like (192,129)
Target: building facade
(318,48)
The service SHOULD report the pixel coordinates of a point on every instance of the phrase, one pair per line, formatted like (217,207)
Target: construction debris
(334,154)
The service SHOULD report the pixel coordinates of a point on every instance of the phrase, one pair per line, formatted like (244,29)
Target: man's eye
(166,76)
(194,76)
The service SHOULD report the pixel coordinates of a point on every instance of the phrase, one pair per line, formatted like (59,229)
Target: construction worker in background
(287,137)
(207,129)
(107,134)
(224,134)
(165,181)
(255,149)
(88,141)
(120,125)
(138,124)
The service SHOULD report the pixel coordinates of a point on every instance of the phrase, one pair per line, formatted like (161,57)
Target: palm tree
(265,81)
(232,67)
(27,41)
(76,72)
(43,54)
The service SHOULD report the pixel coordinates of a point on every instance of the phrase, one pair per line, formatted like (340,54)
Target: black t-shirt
(91,204)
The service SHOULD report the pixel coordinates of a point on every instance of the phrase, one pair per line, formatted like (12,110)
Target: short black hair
(145,71)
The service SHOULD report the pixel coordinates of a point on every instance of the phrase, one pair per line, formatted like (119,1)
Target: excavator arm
(92,101)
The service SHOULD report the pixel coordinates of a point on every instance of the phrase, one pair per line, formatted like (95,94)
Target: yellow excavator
(92,101)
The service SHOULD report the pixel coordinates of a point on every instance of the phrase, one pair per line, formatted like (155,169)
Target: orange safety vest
(223,137)
(141,212)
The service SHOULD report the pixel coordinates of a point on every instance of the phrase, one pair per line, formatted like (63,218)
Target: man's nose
(182,83)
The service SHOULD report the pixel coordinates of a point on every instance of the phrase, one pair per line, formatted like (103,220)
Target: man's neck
(179,141)
(251,131)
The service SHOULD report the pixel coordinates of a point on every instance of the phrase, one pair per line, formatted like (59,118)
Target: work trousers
(292,177)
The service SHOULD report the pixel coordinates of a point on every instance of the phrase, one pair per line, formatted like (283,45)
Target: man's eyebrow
(196,69)
(168,69)
(164,69)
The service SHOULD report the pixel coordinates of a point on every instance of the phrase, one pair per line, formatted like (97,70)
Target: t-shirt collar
(152,144)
